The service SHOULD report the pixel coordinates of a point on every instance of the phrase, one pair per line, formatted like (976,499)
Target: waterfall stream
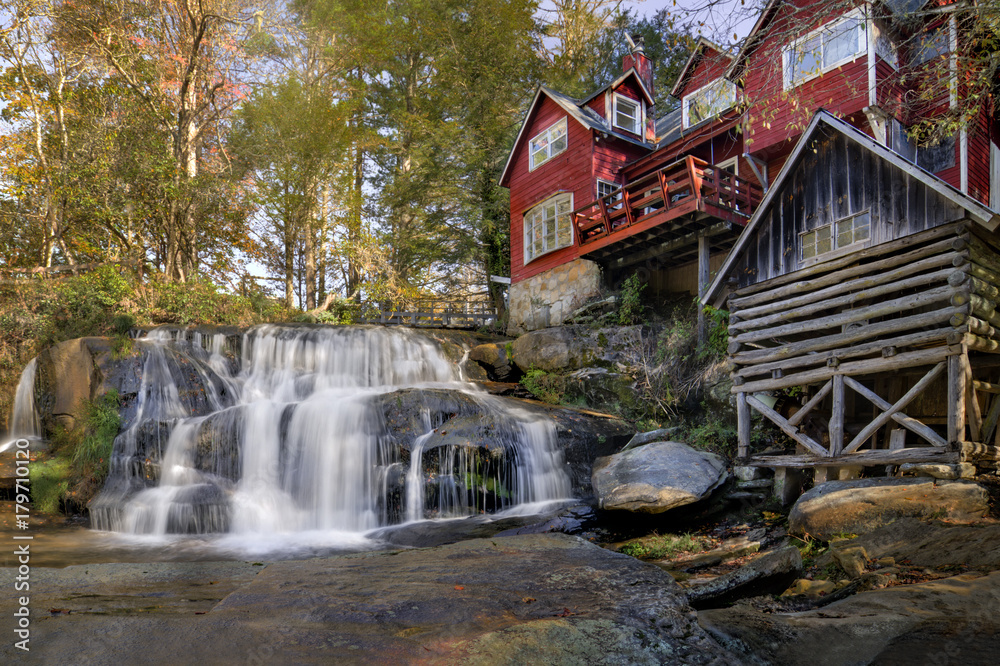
(316,430)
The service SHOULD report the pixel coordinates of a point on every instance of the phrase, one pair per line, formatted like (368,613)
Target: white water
(293,444)
(24,419)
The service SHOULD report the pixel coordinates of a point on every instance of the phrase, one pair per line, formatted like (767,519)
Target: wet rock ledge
(545,598)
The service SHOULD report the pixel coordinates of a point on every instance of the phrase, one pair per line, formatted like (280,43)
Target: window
(931,44)
(841,234)
(627,114)
(709,101)
(823,49)
(604,188)
(548,226)
(547,144)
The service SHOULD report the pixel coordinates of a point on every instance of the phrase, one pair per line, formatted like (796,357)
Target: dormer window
(627,114)
(547,144)
(824,49)
(708,101)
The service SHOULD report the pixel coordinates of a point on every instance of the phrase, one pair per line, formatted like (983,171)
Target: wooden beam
(973,413)
(911,424)
(864,333)
(743,425)
(799,416)
(800,437)
(703,278)
(864,367)
(894,306)
(922,454)
(837,416)
(990,422)
(848,290)
(923,338)
(956,399)
(895,410)
(771,289)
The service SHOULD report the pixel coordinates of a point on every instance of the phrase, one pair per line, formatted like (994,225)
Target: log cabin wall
(895,347)
(838,178)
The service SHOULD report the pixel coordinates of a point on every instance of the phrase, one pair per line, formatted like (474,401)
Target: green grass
(49,484)
(658,547)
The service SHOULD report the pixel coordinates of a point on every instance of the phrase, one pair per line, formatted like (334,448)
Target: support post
(703,274)
(743,424)
(837,417)
(956,399)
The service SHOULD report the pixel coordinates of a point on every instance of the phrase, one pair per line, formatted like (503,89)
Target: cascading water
(24,419)
(298,439)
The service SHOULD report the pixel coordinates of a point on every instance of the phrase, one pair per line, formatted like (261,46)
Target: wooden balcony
(663,213)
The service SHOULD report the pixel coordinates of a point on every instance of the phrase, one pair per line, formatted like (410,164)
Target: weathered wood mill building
(867,289)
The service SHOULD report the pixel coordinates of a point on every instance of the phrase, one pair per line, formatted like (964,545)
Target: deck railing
(431,313)
(686,181)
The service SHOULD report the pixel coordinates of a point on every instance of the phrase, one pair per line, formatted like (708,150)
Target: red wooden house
(599,192)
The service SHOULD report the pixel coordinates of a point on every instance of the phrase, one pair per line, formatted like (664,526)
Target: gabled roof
(696,55)
(617,82)
(578,111)
(975,210)
(751,39)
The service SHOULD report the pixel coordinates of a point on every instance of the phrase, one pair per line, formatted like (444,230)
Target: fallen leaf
(528,600)
(459,587)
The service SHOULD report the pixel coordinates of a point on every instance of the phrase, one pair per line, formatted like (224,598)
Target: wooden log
(986,387)
(799,416)
(800,437)
(847,284)
(864,367)
(743,424)
(948,232)
(894,306)
(956,400)
(983,274)
(837,417)
(872,331)
(922,454)
(980,451)
(923,338)
(893,411)
(979,343)
(911,424)
(972,325)
(862,294)
(983,256)
(973,412)
(982,287)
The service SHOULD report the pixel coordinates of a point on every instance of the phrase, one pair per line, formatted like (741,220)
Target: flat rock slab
(550,598)
(862,505)
(949,621)
(656,477)
(935,545)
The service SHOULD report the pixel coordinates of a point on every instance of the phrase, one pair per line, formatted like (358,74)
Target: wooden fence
(431,314)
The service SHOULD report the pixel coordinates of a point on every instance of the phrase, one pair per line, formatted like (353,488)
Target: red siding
(597,104)
(709,67)
(569,171)
(890,92)
(776,115)
(979,158)
(609,158)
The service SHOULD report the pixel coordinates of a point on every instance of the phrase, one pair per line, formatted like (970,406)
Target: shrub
(630,309)
(544,386)
(657,547)
(49,484)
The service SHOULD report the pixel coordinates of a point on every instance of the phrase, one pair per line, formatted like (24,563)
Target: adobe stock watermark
(22,547)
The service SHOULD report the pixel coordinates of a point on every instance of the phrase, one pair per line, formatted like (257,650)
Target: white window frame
(836,249)
(639,114)
(534,218)
(731,162)
(550,135)
(689,98)
(788,50)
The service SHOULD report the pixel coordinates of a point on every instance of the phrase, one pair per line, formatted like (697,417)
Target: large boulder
(656,477)
(568,348)
(493,357)
(861,505)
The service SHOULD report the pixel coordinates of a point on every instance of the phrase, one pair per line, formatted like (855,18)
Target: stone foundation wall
(547,299)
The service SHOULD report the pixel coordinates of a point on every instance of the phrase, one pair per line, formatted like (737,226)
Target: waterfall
(24,419)
(293,438)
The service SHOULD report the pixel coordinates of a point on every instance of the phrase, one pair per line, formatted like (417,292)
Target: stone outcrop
(656,477)
(952,620)
(770,572)
(862,505)
(568,348)
(549,598)
(494,359)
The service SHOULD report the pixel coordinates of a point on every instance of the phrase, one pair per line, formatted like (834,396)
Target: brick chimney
(643,65)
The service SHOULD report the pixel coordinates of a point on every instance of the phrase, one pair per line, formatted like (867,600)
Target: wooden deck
(663,213)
